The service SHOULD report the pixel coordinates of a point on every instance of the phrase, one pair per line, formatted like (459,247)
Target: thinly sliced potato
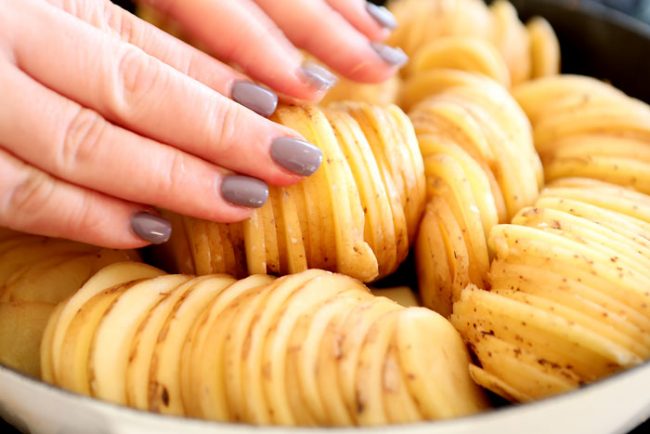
(21,329)
(165,394)
(108,277)
(111,349)
(436,374)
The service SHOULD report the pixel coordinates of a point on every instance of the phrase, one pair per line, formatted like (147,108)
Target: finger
(248,38)
(374,21)
(184,58)
(31,201)
(78,145)
(135,90)
(316,27)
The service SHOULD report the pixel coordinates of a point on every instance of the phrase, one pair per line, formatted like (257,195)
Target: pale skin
(103,116)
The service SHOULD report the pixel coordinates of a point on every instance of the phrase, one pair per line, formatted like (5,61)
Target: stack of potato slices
(481,168)
(313,348)
(467,35)
(570,292)
(35,274)
(584,127)
(356,215)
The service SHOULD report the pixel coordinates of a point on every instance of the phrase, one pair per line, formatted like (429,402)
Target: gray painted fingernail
(151,228)
(317,76)
(244,191)
(391,55)
(297,156)
(382,15)
(257,98)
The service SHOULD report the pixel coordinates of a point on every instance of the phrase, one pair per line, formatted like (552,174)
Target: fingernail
(297,156)
(382,15)
(151,228)
(244,191)
(317,76)
(391,55)
(257,98)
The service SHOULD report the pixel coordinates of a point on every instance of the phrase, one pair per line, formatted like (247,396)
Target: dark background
(586,43)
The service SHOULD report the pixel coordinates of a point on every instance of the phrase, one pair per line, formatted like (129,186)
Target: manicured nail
(391,55)
(257,98)
(297,156)
(382,15)
(151,228)
(244,191)
(317,76)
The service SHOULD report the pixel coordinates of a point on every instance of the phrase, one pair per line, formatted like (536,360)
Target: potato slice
(280,228)
(368,385)
(552,338)
(522,369)
(379,231)
(574,294)
(25,274)
(270,238)
(47,363)
(399,406)
(306,342)
(108,277)
(413,173)
(462,53)
(200,242)
(293,230)
(352,334)
(313,293)
(607,196)
(312,124)
(198,400)
(620,249)
(497,385)
(110,352)
(354,256)
(544,48)
(71,361)
(255,244)
(21,328)
(243,313)
(55,280)
(439,382)
(434,268)
(451,182)
(257,406)
(216,247)
(389,156)
(576,261)
(165,394)
(219,376)
(176,255)
(144,341)
(33,249)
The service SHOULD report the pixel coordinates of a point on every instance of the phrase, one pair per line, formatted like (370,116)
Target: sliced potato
(21,329)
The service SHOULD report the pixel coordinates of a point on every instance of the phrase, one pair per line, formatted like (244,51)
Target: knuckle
(136,75)
(226,129)
(82,135)
(29,197)
(172,176)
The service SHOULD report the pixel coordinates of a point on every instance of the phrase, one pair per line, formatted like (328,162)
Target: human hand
(261,37)
(103,116)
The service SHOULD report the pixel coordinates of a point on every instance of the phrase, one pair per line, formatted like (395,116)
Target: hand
(261,37)
(103,116)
